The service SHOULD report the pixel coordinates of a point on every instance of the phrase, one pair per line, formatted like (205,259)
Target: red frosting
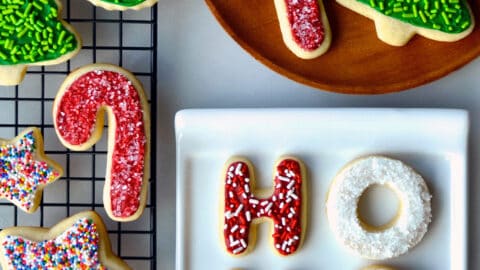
(76,116)
(284,207)
(305,20)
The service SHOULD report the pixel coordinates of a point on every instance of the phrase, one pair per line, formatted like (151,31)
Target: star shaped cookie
(25,170)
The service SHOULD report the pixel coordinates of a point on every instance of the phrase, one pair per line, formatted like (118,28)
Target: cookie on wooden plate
(397,21)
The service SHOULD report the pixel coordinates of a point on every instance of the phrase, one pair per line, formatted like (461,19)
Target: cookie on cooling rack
(78,115)
(33,34)
(25,170)
(123,4)
(78,242)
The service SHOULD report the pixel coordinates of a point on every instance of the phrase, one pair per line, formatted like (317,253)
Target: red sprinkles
(306,23)
(75,121)
(284,207)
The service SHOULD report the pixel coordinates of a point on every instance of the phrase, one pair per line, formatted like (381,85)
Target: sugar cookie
(377,267)
(33,34)
(25,170)
(286,206)
(397,21)
(123,4)
(406,231)
(304,26)
(78,113)
(78,242)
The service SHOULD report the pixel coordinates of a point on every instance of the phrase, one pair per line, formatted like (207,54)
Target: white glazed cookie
(304,26)
(397,21)
(123,4)
(78,112)
(33,34)
(395,239)
(285,206)
(78,242)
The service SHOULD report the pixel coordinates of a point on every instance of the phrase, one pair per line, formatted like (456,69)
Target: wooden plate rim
(338,88)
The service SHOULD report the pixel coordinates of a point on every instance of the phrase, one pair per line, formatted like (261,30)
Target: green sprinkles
(126,3)
(31,32)
(450,16)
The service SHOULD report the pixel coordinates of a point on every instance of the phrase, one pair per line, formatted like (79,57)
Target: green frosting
(126,3)
(31,32)
(450,16)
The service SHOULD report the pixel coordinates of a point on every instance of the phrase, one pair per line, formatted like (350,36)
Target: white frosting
(409,227)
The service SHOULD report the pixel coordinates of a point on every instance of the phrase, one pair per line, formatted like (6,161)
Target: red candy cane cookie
(304,25)
(78,114)
(285,206)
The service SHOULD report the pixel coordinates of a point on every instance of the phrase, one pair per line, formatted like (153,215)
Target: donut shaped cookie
(285,207)
(123,4)
(399,236)
(78,242)
(304,26)
(78,113)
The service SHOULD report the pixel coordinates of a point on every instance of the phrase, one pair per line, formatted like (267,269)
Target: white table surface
(200,66)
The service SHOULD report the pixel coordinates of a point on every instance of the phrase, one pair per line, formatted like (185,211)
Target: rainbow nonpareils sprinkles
(78,242)
(24,170)
(76,248)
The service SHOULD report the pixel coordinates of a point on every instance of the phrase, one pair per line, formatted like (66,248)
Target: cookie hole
(378,207)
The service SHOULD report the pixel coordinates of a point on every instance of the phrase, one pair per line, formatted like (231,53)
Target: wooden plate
(357,61)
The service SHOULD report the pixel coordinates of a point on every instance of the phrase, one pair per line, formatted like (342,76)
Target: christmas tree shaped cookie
(304,25)
(32,33)
(397,21)
(123,4)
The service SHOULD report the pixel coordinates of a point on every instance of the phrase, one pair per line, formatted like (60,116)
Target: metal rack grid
(128,39)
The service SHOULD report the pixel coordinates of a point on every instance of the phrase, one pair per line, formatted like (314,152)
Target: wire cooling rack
(128,39)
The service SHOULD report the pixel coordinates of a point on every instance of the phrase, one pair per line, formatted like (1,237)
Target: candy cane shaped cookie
(78,113)
(304,26)
(286,207)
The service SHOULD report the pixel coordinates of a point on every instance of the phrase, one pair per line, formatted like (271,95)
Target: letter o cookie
(410,225)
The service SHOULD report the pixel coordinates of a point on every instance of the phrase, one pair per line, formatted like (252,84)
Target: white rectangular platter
(432,141)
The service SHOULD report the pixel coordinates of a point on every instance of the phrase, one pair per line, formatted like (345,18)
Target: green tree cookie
(397,21)
(32,33)
(123,4)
